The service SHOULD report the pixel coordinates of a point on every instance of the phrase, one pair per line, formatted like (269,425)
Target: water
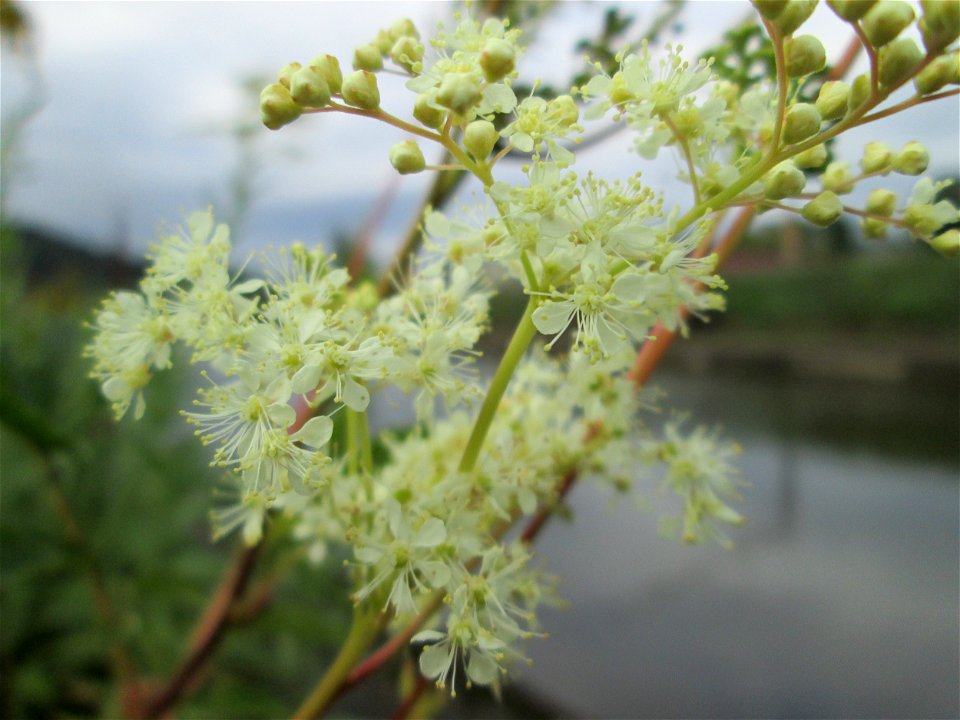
(840,598)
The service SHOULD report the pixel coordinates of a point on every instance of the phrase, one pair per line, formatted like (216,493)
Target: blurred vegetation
(863,292)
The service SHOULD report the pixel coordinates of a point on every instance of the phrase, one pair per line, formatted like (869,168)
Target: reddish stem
(208,634)
(404,709)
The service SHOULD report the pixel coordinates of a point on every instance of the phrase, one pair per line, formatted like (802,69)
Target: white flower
(248,422)
(406,556)
(132,338)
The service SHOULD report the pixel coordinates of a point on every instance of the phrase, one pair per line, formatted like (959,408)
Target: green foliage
(913,288)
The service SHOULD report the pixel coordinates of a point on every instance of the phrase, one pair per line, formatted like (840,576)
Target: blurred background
(836,367)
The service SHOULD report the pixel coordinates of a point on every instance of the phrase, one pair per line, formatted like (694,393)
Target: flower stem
(521,339)
(367,624)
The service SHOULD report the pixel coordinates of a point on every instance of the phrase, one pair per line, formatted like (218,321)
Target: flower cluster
(295,357)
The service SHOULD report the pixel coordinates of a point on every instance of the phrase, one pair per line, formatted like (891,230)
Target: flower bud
(824,210)
(404,28)
(426,113)
(308,88)
(837,178)
(925,219)
(804,55)
(911,160)
(873,228)
(938,74)
(811,158)
(407,158)
(876,157)
(360,90)
(459,92)
(859,92)
(329,68)
(794,15)
(277,106)
(833,99)
(407,52)
(384,42)
(497,59)
(479,138)
(947,243)
(851,10)
(367,57)
(784,180)
(940,24)
(881,202)
(885,20)
(769,9)
(286,73)
(801,122)
(898,60)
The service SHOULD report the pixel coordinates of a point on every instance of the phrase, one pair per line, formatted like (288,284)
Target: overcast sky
(137,100)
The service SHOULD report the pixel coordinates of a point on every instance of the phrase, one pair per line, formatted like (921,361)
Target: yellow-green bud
(876,157)
(367,57)
(824,210)
(938,74)
(881,202)
(286,73)
(940,24)
(804,55)
(329,68)
(811,158)
(947,243)
(898,60)
(277,106)
(497,59)
(459,92)
(912,159)
(360,90)
(426,113)
(873,228)
(407,158)
(851,10)
(837,178)
(770,9)
(479,138)
(859,92)
(404,28)
(833,99)
(407,52)
(794,15)
(801,122)
(384,42)
(924,219)
(784,180)
(308,88)
(885,20)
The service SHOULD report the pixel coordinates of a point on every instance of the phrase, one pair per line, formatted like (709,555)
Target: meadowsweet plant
(292,357)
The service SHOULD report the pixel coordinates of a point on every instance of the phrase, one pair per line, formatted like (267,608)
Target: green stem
(367,624)
(366,447)
(521,339)
(353,439)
